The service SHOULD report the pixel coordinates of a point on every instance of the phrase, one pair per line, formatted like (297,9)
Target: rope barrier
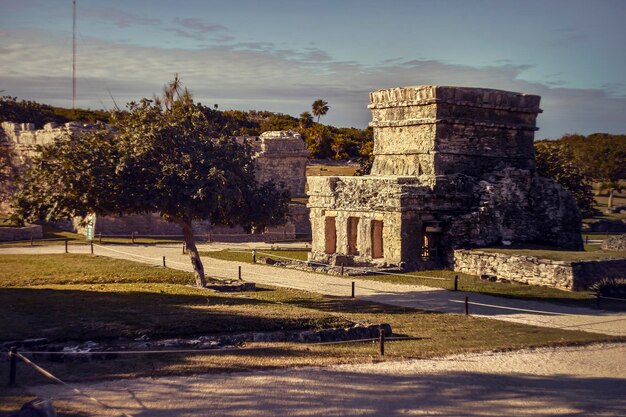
(49,375)
(516,309)
(612,298)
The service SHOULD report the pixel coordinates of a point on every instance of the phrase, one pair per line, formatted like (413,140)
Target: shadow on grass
(64,314)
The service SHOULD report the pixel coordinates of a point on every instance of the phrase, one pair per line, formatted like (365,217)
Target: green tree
(555,160)
(319,108)
(162,158)
(305,120)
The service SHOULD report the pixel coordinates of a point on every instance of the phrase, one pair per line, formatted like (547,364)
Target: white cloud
(262,76)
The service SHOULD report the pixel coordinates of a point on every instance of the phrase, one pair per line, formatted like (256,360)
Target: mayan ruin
(453,168)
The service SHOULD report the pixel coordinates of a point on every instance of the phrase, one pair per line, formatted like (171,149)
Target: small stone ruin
(453,168)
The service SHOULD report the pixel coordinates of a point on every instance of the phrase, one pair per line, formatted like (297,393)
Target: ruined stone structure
(281,156)
(453,167)
(24,138)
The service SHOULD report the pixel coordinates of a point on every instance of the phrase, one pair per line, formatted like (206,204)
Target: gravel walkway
(541,382)
(415,296)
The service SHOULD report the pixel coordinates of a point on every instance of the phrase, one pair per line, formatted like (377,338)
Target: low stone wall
(21,233)
(535,271)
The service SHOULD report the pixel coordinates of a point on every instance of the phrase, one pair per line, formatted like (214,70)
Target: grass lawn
(83,297)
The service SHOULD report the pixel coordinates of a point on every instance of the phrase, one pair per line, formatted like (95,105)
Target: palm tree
(306,120)
(319,108)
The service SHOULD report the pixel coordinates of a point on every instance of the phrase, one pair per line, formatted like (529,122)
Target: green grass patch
(246,256)
(100,307)
(61,269)
(591,253)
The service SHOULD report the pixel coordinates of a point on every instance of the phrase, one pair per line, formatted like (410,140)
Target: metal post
(91,244)
(253,256)
(353,287)
(132,237)
(210,237)
(184,247)
(456,283)
(164,262)
(31,241)
(100,237)
(239,272)
(66,245)
(467,306)
(13,365)
(381,342)
(341,269)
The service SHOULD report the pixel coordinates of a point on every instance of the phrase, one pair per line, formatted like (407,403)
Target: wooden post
(210,237)
(341,269)
(91,245)
(31,241)
(467,306)
(353,288)
(66,245)
(587,240)
(132,237)
(456,283)
(253,256)
(239,272)
(12,366)
(184,247)
(100,238)
(381,341)
(164,262)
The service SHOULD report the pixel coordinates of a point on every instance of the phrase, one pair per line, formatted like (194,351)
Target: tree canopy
(555,160)
(163,157)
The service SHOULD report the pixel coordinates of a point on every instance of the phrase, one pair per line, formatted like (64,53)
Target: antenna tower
(74,57)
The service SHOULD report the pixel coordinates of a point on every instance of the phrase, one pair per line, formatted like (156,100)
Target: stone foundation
(531,270)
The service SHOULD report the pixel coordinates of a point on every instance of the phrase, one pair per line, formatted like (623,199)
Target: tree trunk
(196,262)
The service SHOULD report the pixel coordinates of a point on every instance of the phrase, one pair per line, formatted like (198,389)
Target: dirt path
(588,381)
(429,298)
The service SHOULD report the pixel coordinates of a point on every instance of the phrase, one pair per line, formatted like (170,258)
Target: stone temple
(453,168)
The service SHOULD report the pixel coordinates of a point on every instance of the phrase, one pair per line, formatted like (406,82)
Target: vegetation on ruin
(163,158)
(92,297)
(592,252)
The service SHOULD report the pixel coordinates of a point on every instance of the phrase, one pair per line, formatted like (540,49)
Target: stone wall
(21,233)
(536,271)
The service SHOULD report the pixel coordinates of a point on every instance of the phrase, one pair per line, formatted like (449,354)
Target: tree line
(323,141)
(577,161)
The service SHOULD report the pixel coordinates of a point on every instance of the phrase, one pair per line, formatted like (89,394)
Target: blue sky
(282,55)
